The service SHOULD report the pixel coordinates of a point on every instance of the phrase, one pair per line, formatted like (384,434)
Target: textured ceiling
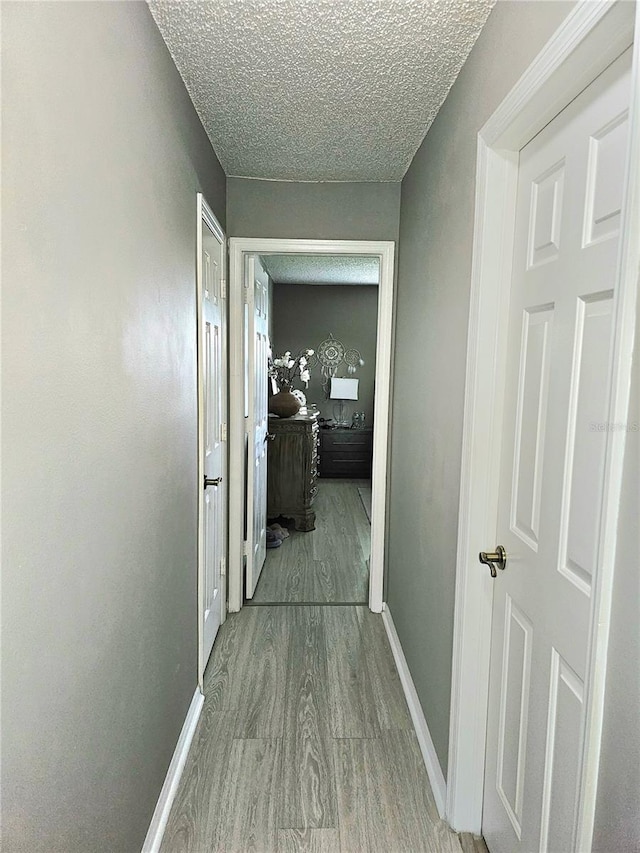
(313,269)
(318,90)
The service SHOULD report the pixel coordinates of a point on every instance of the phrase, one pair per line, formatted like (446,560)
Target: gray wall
(305,314)
(617,824)
(102,158)
(280,209)
(436,227)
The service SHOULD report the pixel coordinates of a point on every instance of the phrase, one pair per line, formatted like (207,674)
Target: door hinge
(223,432)
(245,548)
(223,567)
(223,288)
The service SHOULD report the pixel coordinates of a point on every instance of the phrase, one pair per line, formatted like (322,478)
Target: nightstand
(346,452)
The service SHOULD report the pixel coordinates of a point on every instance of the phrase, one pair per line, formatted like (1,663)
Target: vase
(284,404)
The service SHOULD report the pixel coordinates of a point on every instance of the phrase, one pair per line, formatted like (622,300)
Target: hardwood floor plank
(192,821)
(342,515)
(246,671)
(354,792)
(343,574)
(351,701)
(391,706)
(257,688)
(345,562)
(308,841)
(404,766)
(324,585)
(231,646)
(308,783)
(333,519)
(247,808)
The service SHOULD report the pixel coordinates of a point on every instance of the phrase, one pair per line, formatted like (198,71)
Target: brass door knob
(494,559)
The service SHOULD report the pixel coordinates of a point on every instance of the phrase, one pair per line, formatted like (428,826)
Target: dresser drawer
(355,469)
(339,455)
(347,439)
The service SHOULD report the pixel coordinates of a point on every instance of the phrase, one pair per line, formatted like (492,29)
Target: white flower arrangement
(283,369)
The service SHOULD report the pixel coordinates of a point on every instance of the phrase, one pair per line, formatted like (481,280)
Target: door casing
(239,248)
(592,36)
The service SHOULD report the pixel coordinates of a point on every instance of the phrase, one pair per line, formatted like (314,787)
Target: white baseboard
(431,762)
(161,814)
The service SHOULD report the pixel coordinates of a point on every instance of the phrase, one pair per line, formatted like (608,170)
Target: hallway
(305,744)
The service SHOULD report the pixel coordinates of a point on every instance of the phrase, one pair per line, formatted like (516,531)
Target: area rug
(365,497)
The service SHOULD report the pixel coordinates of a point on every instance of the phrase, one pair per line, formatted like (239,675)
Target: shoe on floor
(278,528)
(273,540)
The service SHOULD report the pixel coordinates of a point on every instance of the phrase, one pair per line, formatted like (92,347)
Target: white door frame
(592,36)
(239,247)
(205,214)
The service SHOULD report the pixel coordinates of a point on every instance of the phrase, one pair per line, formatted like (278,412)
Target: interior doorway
(322,330)
(343,519)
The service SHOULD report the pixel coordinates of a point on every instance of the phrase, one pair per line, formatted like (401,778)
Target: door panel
(584,465)
(562,757)
(257,291)
(533,385)
(514,691)
(212,381)
(552,469)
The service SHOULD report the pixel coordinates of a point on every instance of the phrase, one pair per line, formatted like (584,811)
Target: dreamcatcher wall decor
(331,354)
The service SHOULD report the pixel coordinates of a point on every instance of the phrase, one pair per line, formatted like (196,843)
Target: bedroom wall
(617,823)
(102,156)
(305,314)
(322,211)
(436,228)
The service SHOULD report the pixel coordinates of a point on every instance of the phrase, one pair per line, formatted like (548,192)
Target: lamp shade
(344,389)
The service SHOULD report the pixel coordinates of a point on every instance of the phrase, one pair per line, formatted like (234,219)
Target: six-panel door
(570,188)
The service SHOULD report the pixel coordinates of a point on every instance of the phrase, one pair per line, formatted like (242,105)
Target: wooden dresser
(292,469)
(346,452)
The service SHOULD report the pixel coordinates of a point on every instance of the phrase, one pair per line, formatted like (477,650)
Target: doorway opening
(316,481)
(322,328)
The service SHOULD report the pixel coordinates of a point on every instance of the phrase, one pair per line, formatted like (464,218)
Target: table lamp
(343,389)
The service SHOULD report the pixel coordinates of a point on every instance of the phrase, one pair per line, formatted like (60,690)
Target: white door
(212,394)
(257,295)
(567,222)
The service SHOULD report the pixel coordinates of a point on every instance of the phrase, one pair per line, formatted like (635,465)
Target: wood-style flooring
(305,743)
(327,564)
